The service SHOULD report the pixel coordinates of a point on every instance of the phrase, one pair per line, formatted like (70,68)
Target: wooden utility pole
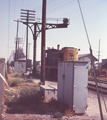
(34,49)
(43,42)
(40,27)
(99,53)
(27,38)
(16,54)
(28,16)
(29,50)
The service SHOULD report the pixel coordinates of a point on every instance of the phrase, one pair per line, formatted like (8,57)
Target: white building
(86,57)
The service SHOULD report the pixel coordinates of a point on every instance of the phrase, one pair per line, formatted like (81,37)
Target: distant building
(104,63)
(86,57)
(20,65)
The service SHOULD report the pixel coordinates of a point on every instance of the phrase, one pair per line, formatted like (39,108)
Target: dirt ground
(92,112)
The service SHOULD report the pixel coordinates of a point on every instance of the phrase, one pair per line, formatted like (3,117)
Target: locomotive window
(71,57)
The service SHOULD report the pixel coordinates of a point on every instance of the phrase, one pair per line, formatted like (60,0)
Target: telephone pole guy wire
(98,96)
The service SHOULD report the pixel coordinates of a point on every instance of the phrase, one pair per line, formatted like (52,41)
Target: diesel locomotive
(53,56)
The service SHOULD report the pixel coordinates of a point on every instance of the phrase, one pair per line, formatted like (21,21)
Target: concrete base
(49,91)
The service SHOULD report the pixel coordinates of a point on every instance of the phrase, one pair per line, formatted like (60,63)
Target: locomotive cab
(68,54)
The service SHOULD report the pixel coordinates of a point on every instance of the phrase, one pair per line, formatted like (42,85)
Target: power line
(56,6)
(61,6)
(8,26)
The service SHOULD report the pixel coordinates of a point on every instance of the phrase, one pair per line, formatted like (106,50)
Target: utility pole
(34,49)
(18,41)
(28,17)
(41,27)
(43,42)
(16,55)
(99,53)
(29,50)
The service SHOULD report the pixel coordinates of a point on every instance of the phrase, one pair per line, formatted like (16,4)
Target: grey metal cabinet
(72,84)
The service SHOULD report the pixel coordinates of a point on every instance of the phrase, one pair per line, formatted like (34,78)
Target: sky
(95,16)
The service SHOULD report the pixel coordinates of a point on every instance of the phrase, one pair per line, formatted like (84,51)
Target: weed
(29,96)
(7,100)
(19,75)
(58,115)
(14,81)
(69,112)
(8,93)
(40,83)
(58,105)
(29,80)
(10,96)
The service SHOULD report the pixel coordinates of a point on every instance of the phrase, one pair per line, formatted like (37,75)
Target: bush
(29,80)
(69,112)
(18,101)
(9,97)
(18,75)
(7,100)
(14,81)
(29,96)
(57,106)
(58,115)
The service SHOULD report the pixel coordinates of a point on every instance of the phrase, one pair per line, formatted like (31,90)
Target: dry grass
(69,112)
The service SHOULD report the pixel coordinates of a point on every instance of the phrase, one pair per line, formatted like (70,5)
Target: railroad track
(102,85)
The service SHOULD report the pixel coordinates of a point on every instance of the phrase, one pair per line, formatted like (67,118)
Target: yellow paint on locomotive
(70,54)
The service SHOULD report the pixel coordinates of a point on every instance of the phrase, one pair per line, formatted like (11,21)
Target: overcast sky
(95,16)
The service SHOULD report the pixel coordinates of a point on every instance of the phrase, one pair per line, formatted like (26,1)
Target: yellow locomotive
(53,56)
(69,54)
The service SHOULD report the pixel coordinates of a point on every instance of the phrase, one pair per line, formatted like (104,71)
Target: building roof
(87,55)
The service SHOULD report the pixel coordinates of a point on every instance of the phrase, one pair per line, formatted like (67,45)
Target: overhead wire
(8,27)
(60,7)
(39,7)
(54,6)
(60,4)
